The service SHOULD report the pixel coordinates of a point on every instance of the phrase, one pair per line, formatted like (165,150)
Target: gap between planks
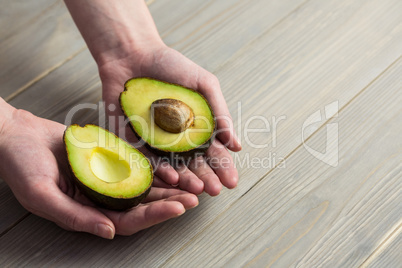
(15,223)
(42,75)
(366,82)
(53,68)
(382,244)
(251,42)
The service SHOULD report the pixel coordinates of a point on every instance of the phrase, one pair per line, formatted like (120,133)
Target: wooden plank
(10,210)
(76,82)
(19,14)
(36,38)
(389,253)
(180,13)
(222,29)
(311,214)
(291,65)
(37,47)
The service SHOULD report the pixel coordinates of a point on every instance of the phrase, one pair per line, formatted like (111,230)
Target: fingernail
(181,213)
(237,138)
(104,231)
(196,204)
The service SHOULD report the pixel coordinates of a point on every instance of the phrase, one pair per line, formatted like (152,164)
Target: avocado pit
(172,115)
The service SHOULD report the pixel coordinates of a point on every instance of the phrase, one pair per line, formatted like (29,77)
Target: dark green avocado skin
(110,202)
(175,158)
(172,157)
(105,201)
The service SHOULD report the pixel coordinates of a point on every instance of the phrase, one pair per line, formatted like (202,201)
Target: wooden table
(320,182)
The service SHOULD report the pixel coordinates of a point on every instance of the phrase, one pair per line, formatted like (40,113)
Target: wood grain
(221,30)
(387,254)
(10,210)
(64,87)
(310,214)
(76,82)
(317,53)
(19,14)
(38,48)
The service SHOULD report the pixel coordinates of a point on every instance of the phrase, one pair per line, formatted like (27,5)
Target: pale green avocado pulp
(107,166)
(136,103)
(105,163)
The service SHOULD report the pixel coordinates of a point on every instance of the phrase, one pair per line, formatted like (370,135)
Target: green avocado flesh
(107,169)
(136,101)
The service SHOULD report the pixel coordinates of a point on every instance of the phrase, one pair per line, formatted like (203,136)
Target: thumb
(72,215)
(209,86)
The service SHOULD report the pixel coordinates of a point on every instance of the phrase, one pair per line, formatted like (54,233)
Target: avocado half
(137,101)
(108,170)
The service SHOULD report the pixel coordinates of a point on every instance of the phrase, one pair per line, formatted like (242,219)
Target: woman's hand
(33,163)
(125,43)
(166,64)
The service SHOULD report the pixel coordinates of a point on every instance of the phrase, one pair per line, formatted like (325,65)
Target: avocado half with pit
(108,170)
(170,118)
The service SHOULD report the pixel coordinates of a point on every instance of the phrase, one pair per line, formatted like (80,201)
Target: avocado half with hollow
(170,118)
(108,170)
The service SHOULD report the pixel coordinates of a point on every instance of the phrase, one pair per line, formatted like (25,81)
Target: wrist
(134,47)
(6,114)
(6,111)
(113,31)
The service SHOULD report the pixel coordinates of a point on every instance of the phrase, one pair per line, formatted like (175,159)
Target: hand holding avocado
(169,65)
(125,44)
(34,165)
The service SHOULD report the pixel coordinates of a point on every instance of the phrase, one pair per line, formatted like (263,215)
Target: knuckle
(215,81)
(30,200)
(72,222)
(207,176)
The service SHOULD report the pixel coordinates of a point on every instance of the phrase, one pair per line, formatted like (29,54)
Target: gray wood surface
(282,60)
(31,50)
(306,214)
(388,254)
(10,210)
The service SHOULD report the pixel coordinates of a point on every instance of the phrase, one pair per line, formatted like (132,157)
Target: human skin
(34,165)
(125,43)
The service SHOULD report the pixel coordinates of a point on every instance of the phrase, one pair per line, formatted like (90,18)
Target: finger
(144,216)
(221,162)
(200,168)
(164,170)
(52,204)
(157,193)
(54,137)
(188,200)
(189,181)
(161,184)
(210,88)
(225,131)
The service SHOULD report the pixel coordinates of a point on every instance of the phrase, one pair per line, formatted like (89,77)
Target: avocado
(108,170)
(171,119)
